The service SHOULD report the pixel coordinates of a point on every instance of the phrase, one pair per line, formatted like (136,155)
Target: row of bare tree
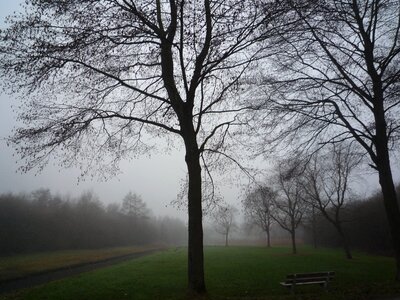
(41,221)
(352,222)
(303,188)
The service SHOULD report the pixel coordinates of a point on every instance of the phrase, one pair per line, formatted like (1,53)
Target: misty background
(158,178)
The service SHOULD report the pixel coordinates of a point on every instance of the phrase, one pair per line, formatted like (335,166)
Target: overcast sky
(157,178)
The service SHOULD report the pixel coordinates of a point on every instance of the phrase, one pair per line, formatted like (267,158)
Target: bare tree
(338,79)
(224,220)
(290,205)
(97,76)
(327,184)
(259,207)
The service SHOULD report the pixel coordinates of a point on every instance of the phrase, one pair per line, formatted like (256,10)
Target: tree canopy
(98,77)
(335,77)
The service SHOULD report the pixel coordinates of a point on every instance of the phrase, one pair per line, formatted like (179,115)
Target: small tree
(134,206)
(224,221)
(259,208)
(289,203)
(327,185)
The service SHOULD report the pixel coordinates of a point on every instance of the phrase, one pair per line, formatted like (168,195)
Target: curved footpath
(42,278)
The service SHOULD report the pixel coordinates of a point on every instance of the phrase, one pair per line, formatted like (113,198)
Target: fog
(42,221)
(157,177)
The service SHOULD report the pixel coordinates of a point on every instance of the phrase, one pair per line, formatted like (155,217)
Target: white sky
(156,179)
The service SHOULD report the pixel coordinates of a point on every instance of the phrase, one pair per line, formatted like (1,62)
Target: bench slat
(295,280)
(303,283)
(316,274)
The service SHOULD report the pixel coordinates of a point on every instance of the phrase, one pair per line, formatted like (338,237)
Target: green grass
(231,273)
(23,265)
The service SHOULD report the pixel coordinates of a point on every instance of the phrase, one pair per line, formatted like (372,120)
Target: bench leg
(326,286)
(293,289)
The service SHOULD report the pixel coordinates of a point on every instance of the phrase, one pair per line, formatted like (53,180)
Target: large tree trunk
(226,239)
(385,175)
(195,249)
(391,207)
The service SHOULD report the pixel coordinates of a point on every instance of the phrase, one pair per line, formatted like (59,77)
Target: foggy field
(23,265)
(231,273)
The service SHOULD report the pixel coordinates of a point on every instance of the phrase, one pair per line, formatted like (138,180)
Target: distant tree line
(41,221)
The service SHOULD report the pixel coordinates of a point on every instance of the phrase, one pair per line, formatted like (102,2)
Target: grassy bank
(231,273)
(23,265)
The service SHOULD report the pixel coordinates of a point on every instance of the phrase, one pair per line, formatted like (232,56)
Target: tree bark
(195,247)
(345,243)
(385,173)
(314,228)
(226,239)
(293,235)
(391,207)
(268,238)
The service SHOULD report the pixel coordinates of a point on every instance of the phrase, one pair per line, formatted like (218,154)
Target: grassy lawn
(23,265)
(231,273)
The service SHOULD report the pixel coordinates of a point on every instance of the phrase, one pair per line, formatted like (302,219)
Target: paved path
(37,279)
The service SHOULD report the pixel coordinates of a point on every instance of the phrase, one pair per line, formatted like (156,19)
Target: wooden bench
(320,278)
